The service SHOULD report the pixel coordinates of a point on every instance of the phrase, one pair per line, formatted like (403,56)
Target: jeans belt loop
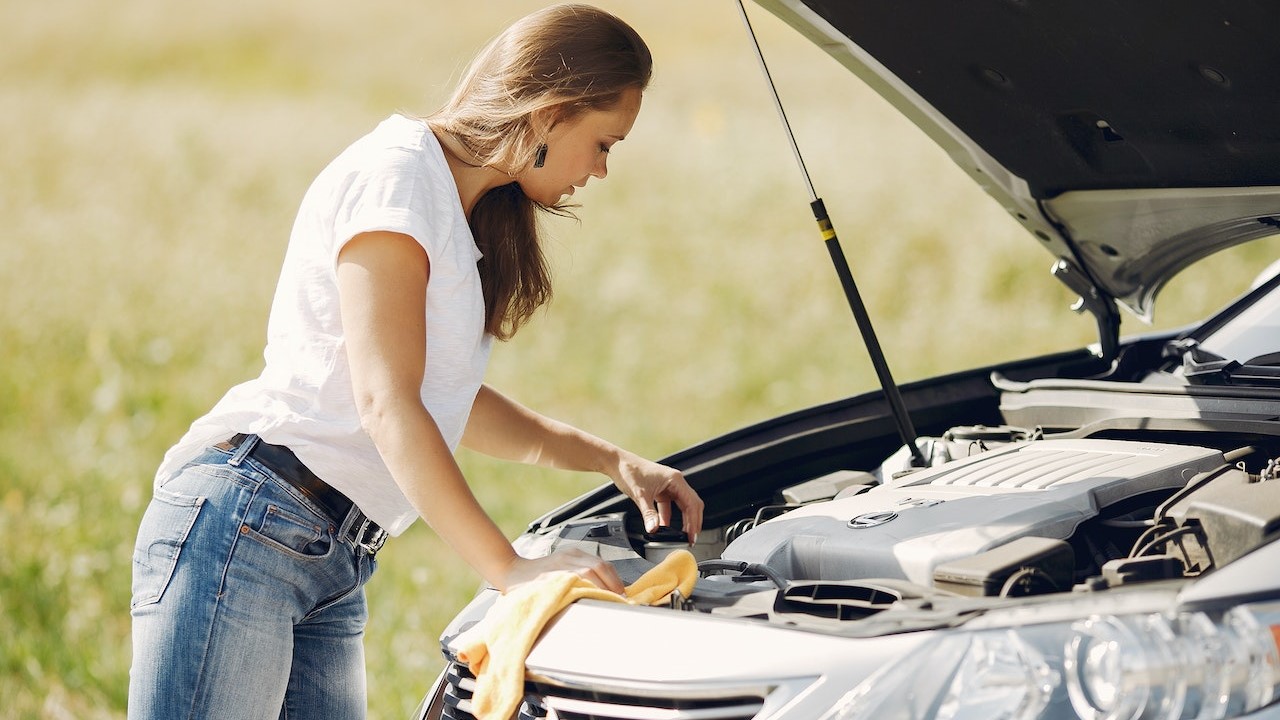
(243,450)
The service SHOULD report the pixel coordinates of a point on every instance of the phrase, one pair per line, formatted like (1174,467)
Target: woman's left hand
(654,487)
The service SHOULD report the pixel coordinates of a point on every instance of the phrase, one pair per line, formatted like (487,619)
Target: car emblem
(870,520)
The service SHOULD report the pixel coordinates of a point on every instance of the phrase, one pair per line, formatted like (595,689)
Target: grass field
(154,154)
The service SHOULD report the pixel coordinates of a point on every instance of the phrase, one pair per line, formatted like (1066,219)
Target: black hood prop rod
(900,415)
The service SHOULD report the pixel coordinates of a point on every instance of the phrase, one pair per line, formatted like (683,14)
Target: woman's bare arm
(503,428)
(382,281)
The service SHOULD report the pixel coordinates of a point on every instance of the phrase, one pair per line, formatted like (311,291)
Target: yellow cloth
(496,647)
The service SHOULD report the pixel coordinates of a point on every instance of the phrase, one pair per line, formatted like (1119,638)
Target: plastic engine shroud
(910,525)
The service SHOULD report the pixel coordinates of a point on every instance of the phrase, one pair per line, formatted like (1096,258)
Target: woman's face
(578,149)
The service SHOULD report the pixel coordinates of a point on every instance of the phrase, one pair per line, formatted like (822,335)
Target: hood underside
(1132,138)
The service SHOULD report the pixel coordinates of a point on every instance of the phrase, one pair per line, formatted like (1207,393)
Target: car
(1089,534)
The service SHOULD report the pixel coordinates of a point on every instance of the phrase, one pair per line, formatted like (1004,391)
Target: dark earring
(540,158)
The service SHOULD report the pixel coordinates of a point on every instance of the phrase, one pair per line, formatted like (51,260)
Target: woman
(250,561)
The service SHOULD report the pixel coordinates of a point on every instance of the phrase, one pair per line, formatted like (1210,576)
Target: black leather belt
(365,533)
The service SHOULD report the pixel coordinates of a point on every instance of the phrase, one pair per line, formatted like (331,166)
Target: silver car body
(1094,533)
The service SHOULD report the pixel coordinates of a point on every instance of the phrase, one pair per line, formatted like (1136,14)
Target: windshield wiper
(1201,367)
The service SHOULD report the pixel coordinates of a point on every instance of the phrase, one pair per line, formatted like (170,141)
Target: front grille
(555,702)
(459,686)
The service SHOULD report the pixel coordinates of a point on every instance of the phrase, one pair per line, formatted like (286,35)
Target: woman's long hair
(566,59)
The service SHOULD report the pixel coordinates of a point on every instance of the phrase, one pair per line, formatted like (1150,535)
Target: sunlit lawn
(152,158)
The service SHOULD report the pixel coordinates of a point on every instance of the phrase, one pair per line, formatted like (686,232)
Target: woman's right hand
(596,570)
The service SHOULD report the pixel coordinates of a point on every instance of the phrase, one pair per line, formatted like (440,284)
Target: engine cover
(908,526)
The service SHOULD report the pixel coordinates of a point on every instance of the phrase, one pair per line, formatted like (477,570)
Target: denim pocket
(292,534)
(164,528)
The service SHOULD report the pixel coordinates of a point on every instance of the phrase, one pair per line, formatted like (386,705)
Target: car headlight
(1104,667)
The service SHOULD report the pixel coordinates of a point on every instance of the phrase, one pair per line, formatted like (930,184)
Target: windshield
(1255,331)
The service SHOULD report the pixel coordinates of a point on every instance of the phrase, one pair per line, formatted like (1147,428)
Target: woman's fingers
(691,507)
(664,513)
(655,505)
(599,572)
(594,569)
(606,578)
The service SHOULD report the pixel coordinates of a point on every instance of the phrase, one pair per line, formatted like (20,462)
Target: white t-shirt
(393,179)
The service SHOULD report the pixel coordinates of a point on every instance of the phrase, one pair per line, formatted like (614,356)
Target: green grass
(153,158)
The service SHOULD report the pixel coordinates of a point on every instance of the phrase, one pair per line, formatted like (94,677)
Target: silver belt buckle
(369,537)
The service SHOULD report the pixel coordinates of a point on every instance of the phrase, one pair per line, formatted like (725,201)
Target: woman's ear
(542,120)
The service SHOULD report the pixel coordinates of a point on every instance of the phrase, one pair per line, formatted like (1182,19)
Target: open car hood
(1131,138)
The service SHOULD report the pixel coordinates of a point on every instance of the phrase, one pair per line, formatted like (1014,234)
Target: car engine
(1017,517)
(930,526)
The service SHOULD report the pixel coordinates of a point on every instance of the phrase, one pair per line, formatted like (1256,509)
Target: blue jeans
(248,601)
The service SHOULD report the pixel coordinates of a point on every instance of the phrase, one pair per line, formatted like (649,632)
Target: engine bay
(927,526)
(1060,486)
(1000,512)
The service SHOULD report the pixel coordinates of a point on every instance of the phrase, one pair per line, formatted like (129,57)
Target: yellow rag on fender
(496,647)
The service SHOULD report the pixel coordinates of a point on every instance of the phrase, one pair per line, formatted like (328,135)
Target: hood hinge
(1100,305)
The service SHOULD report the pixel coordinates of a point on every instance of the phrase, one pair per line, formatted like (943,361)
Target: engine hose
(744,568)
(1163,540)
(1235,455)
(738,529)
(707,566)
(758,569)
(1028,581)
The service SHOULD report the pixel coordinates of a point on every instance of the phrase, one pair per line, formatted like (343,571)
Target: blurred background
(153,156)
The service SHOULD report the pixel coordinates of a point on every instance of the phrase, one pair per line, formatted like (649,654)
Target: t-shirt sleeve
(389,192)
